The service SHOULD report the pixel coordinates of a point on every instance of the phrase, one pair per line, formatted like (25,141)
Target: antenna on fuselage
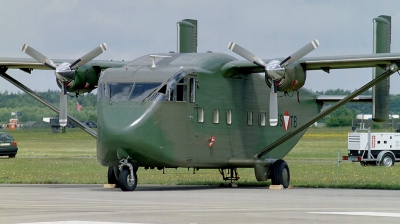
(154,56)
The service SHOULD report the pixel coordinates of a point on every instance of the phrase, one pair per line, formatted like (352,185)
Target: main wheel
(111,176)
(125,181)
(387,160)
(280,173)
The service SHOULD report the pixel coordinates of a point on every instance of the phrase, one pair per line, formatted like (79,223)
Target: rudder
(380,92)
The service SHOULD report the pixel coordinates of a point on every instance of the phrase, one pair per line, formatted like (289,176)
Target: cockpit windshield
(120,91)
(130,91)
(142,90)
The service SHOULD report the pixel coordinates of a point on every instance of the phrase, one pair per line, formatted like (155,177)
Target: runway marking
(377,214)
(80,222)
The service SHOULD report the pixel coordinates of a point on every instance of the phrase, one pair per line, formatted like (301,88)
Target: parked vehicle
(378,148)
(8,146)
(91,124)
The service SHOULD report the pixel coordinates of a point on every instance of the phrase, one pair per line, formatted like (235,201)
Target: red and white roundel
(286,120)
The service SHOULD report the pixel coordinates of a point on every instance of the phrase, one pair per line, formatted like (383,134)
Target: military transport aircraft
(205,110)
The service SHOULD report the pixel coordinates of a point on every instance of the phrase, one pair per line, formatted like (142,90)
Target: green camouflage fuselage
(177,131)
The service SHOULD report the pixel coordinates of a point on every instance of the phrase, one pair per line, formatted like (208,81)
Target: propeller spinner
(274,71)
(65,72)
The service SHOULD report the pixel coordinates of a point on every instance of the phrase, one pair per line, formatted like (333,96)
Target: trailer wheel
(387,160)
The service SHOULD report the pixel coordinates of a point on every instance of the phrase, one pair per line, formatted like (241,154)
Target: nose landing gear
(127,179)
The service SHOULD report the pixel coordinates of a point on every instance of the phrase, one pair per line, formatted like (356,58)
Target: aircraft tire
(111,176)
(280,174)
(123,180)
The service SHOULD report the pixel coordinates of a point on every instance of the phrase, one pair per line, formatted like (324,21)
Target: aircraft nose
(134,129)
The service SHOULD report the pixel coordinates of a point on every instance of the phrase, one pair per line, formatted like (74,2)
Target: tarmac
(88,204)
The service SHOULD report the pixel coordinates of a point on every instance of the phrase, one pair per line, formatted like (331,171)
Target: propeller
(65,72)
(274,70)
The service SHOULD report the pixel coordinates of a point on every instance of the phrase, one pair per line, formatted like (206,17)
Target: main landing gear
(280,174)
(229,175)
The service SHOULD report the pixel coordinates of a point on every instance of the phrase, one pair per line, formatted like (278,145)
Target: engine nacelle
(85,79)
(293,78)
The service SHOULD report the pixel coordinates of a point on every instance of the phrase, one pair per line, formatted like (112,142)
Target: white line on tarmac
(79,222)
(377,214)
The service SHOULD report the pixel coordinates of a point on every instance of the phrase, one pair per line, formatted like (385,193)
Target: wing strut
(43,101)
(392,69)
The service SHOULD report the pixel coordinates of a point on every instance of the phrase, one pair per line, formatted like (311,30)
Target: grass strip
(70,158)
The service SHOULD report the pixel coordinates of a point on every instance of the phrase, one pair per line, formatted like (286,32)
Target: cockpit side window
(101,89)
(179,93)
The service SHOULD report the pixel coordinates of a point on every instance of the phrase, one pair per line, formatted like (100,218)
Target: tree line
(344,115)
(32,110)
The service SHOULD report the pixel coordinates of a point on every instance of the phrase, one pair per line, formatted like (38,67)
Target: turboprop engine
(285,75)
(73,77)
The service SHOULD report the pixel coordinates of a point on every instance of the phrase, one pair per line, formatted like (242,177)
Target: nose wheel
(127,178)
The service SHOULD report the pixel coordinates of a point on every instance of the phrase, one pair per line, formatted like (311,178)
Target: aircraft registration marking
(376,214)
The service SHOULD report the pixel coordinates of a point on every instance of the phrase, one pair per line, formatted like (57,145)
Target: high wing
(27,64)
(321,63)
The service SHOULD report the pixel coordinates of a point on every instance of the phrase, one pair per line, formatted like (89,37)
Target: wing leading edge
(27,64)
(320,63)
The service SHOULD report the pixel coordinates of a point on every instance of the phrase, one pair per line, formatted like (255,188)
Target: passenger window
(200,115)
(229,116)
(216,116)
(263,119)
(250,118)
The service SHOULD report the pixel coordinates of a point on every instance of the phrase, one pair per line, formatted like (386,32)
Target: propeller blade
(273,104)
(300,53)
(62,119)
(38,56)
(246,54)
(89,56)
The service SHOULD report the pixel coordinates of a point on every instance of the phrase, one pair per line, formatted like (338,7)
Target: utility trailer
(382,148)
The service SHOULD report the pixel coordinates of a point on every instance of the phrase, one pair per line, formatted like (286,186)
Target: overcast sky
(69,29)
